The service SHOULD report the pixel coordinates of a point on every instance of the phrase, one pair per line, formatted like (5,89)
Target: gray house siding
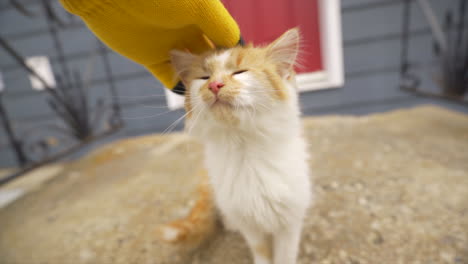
(371,39)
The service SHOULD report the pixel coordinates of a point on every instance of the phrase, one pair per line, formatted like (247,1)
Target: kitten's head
(228,83)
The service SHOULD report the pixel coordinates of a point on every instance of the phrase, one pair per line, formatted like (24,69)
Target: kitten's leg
(286,244)
(260,246)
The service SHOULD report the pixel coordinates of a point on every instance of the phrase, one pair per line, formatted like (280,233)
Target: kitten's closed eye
(234,73)
(239,72)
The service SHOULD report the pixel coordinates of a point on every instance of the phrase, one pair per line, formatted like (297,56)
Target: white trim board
(332,75)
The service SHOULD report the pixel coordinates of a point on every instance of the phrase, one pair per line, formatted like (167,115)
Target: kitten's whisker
(136,96)
(186,128)
(236,106)
(187,149)
(196,117)
(267,91)
(175,123)
(264,106)
(258,130)
(150,116)
(250,114)
(154,106)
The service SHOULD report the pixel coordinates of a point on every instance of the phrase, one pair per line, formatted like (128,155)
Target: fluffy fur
(255,154)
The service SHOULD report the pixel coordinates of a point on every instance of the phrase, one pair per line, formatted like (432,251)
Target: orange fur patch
(276,84)
(200,222)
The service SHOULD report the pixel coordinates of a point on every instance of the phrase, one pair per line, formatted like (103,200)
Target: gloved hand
(146,30)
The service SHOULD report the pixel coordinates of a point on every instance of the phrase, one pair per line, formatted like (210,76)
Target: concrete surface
(390,188)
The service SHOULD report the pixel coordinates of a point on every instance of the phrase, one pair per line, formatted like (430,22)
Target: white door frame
(332,75)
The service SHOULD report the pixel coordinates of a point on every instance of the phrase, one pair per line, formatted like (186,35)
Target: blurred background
(98,94)
(390,182)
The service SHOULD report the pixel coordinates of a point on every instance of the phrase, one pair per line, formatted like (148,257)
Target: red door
(262,21)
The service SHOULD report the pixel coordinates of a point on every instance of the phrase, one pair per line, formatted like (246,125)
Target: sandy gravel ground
(390,188)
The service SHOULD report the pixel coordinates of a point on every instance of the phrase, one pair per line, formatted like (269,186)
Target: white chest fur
(260,176)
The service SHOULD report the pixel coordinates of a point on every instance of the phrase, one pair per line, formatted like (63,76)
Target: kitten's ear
(182,61)
(285,49)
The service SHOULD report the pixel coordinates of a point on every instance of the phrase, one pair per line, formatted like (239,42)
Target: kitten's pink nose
(215,86)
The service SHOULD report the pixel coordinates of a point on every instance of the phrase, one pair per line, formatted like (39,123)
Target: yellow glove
(145,31)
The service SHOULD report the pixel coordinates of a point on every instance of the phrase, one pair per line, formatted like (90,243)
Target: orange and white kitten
(242,104)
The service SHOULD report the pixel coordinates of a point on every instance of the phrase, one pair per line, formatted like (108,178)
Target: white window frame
(42,66)
(332,75)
